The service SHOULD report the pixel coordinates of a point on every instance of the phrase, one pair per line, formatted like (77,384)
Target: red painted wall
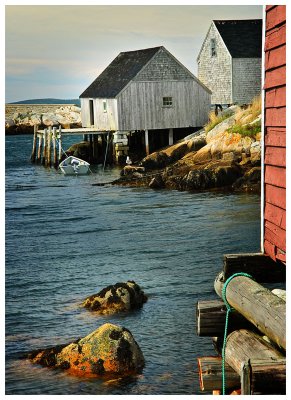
(275,133)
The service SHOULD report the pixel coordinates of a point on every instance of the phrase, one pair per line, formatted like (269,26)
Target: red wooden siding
(275,133)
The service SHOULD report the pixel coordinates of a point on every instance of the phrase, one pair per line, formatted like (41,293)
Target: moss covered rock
(109,350)
(116,298)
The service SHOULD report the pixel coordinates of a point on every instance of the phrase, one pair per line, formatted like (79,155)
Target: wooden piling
(39,151)
(44,151)
(60,143)
(33,153)
(49,139)
(55,156)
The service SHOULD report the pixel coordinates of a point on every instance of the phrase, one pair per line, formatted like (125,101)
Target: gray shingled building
(230,61)
(145,90)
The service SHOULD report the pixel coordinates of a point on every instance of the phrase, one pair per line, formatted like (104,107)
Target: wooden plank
(275,116)
(245,377)
(275,235)
(275,97)
(259,306)
(260,266)
(210,319)
(270,249)
(275,37)
(275,156)
(275,176)
(275,215)
(275,77)
(210,374)
(269,7)
(276,196)
(33,152)
(275,137)
(275,16)
(275,58)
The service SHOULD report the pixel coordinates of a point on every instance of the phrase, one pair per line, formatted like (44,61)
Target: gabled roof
(119,73)
(243,38)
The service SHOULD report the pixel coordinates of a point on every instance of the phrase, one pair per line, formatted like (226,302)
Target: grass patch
(214,120)
(246,130)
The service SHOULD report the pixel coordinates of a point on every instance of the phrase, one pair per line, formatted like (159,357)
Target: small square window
(105,106)
(167,101)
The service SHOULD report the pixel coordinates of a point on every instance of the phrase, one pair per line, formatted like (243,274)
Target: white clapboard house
(145,90)
(230,61)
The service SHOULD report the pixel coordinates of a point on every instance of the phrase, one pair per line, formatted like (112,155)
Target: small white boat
(74,166)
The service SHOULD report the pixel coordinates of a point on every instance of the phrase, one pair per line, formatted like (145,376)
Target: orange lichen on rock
(110,349)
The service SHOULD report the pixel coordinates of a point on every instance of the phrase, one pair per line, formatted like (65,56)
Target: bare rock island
(110,350)
(116,298)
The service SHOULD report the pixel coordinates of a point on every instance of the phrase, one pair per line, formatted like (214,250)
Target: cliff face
(226,153)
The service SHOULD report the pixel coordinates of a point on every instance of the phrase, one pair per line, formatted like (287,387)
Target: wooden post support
(210,374)
(55,156)
(245,377)
(171,136)
(260,306)
(40,140)
(49,140)
(60,143)
(210,319)
(243,345)
(44,151)
(33,153)
(146,136)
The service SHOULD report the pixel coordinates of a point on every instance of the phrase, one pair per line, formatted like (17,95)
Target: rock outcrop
(68,116)
(227,154)
(116,298)
(109,350)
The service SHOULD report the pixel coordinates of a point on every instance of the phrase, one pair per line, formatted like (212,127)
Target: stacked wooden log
(255,346)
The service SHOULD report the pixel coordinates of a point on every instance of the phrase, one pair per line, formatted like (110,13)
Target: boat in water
(74,166)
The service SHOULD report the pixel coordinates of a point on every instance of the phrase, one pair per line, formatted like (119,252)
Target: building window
(105,106)
(167,101)
(212,47)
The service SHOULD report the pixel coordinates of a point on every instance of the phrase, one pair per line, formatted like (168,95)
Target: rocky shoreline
(211,159)
(24,118)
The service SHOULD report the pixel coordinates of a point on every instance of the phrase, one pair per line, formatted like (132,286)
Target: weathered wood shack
(145,90)
(230,59)
(275,134)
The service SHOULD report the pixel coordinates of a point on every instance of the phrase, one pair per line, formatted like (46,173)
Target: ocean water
(67,239)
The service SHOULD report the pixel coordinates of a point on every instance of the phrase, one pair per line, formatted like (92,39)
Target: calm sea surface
(67,239)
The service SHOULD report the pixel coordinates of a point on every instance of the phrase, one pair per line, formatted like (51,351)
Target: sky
(58,50)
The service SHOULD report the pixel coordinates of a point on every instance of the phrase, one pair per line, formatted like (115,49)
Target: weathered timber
(210,374)
(39,150)
(60,143)
(44,151)
(243,345)
(260,266)
(49,139)
(265,377)
(259,306)
(210,319)
(55,156)
(33,152)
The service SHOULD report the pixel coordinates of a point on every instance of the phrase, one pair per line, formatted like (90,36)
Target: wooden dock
(47,144)
(249,327)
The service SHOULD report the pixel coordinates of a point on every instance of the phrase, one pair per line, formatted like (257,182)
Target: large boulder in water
(116,298)
(80,150)
(108,350)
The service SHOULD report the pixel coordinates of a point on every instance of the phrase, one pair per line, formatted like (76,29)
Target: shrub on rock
(110,349)
(116,298)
